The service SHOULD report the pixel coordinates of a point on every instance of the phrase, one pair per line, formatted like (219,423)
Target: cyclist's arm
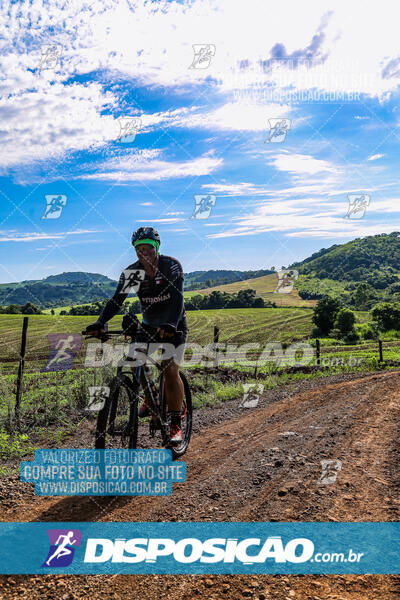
(175,306)
(114,304)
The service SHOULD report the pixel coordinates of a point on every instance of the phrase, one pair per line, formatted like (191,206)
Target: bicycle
(118,417)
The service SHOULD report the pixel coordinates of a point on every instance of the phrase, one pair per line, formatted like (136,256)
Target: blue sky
(328,71)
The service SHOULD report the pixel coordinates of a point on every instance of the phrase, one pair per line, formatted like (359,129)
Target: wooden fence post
(318,349)
(380,351)
(255,368)
(21,371)
(216,339)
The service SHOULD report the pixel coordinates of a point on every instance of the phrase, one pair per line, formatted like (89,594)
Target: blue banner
(200,548)
(103,472)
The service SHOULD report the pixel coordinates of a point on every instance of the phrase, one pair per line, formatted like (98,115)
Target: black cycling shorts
(147,339)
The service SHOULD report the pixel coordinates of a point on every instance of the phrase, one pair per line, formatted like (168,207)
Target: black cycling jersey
(161,297)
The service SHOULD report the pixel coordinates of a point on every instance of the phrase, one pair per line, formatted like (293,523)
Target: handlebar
(116,332)
(104,337)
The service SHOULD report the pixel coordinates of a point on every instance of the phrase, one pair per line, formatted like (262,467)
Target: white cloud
(50,121)
(329,32)
(298,164)
(13,236)
(375,156)
(230,116)
(389,205)
(124,170)
(304,226)
(165,221)
(238,116)
(236,189)
(309,217)
(43,115)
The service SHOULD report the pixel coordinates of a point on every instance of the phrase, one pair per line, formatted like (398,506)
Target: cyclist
(159,286)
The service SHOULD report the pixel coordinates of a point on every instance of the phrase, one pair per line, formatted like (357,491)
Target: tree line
(334,320)
(17,309)
(243,299)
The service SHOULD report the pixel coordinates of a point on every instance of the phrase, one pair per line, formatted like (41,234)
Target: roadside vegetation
(340,299)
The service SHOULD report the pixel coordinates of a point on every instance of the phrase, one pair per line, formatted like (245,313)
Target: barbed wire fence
(52,384)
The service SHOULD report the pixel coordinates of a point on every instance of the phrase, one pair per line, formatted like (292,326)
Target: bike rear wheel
(117,421)
(186,415)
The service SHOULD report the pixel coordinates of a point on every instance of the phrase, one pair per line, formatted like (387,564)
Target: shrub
(336,334)
(325,313)
(345,320)
(14,447)
(351,337)
(368,331)
(316,332)
(387,315)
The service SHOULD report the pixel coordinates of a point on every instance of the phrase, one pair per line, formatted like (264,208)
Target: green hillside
(67,289)
(56,290)
(265,288)
(360,273)
(201,279)
(373,259)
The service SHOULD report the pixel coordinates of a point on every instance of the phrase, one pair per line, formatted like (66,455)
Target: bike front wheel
(117,421)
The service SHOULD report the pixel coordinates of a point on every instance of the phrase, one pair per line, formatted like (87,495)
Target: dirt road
(259,464)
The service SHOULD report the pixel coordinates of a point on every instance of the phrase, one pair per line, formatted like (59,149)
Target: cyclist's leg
(174,391)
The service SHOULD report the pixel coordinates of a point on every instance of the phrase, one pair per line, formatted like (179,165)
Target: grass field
(47,311)
(53,403)
(239,325)
(265,287)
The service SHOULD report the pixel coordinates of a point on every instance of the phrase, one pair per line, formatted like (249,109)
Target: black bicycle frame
(113,408)
(157,406)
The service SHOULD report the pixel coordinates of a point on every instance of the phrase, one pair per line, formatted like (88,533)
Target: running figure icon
(62,346)
(203,205)
(62,549)
(54,206)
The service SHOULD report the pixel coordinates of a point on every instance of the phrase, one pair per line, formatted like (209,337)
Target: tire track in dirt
(245,469)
